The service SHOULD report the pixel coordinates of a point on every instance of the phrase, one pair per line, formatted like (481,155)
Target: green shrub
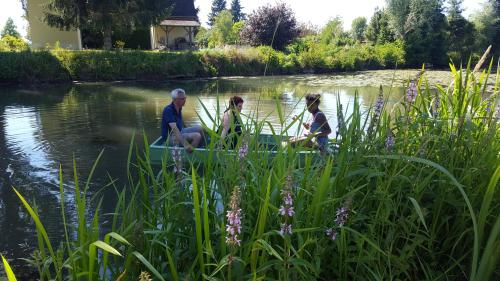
(11,43)
(98,65)
(31,67)
(390,54)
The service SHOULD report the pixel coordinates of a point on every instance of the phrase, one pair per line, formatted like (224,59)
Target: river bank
(59,65)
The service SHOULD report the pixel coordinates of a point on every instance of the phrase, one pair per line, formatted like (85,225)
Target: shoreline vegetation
(59,65)
(411,194)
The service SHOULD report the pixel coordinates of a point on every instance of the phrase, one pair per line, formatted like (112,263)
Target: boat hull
(266,150)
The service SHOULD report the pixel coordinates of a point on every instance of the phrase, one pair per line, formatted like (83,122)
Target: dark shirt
(237,124)
(170,115)
(320,125)
(232,139)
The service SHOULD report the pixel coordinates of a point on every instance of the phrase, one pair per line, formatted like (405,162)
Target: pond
(43,128)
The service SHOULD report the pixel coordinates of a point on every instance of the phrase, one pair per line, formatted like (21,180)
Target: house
(176,32)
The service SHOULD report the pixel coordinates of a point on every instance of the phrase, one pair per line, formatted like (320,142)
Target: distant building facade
(176,32)
(43,35)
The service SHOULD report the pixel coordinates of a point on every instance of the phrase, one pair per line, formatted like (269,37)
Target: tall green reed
(423,207)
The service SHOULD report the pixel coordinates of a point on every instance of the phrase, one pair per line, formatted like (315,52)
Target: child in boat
(231,122)
(319,128)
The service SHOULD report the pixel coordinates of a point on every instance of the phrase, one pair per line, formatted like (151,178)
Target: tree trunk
(107,38)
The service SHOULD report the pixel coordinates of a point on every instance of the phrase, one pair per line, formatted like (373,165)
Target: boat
(267,148)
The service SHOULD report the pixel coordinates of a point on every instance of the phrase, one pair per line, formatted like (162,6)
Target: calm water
(44,128)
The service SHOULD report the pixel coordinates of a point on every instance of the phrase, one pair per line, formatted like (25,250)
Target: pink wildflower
(331,233)
(379,103)
(233,227)
(389,142)
(341,217)
(340,220)
(177,157)
(286,210)
(285,229)
(243,151)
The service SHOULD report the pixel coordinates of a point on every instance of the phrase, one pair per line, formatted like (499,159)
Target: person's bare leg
(196,139)
(192,131)
(193,138)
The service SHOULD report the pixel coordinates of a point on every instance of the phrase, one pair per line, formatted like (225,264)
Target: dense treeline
(427,31)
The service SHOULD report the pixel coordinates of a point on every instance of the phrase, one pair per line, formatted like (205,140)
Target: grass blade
(8,270)
(148,265)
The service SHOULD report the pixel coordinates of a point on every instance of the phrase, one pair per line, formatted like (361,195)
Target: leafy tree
(106,16)
(221,32)
(487,24)
(358,27)
(271,25)
(421,24)
(307,29)
(455,8)
(461,32)
(217,7)
(424,36)
(237,12)
(379,31)
(10,29)
(236,31)
(12,43)
(333,33)
(398,11)
(495,35)
(202,37)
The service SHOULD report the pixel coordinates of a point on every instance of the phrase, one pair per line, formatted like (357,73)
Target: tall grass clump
(406,195)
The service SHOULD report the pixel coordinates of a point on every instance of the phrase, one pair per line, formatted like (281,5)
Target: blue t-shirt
(170,115)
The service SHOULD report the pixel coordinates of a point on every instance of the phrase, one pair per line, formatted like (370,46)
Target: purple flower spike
(340,220)
(389,141)
(286,229)
(411,93)
(243,151)
(436,106)
(286,210)
(331,233)
(177,157)
(233,227)
(379,104)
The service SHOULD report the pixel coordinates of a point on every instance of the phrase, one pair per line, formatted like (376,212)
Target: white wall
(42,34)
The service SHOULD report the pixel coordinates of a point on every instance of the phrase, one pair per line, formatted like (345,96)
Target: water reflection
(43,129)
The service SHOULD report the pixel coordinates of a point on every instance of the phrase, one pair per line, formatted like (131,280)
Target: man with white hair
(172,125)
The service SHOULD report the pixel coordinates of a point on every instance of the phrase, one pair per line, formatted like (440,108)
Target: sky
(317,12)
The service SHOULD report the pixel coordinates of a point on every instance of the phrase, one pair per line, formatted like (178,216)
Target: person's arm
(179,138)
(225,125)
